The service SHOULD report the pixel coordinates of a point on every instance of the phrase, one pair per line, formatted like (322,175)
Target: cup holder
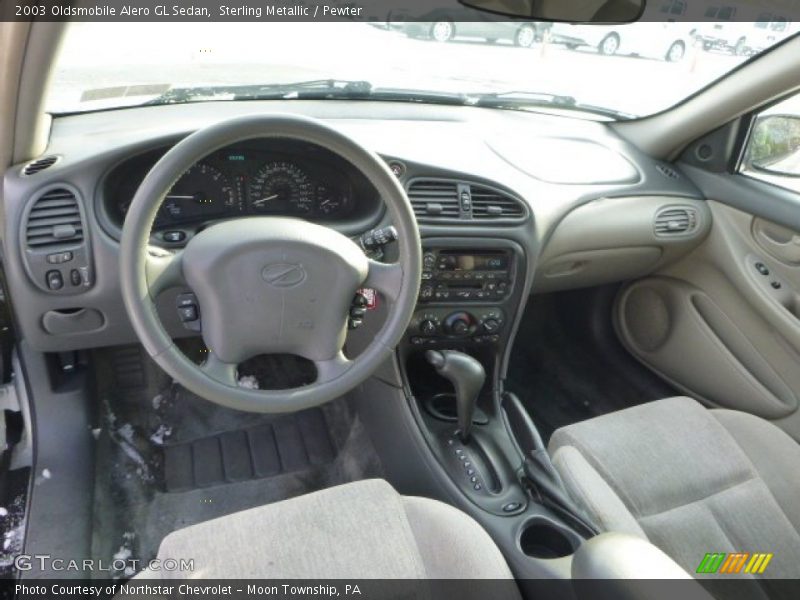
(542,538)
(443,407)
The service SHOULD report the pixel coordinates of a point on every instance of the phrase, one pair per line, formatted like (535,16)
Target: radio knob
(428,327)
(458,323)
(428,261)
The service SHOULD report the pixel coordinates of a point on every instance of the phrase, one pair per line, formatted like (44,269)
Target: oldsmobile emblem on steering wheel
(284,275)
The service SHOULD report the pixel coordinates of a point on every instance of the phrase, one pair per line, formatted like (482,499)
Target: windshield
(617,71)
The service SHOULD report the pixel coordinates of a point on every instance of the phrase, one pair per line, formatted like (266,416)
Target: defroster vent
(40,164)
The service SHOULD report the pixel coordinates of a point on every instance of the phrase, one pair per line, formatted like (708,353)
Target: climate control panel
(480,325)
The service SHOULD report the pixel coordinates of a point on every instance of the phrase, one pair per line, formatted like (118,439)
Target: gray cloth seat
(362,530)
(691,481)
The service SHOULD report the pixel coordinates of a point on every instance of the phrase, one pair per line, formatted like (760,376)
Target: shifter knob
(467,376)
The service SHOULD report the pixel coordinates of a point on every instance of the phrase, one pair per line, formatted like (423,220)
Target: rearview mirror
(774,145)
(585,11)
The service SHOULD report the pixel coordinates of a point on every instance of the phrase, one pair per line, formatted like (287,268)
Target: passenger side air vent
(491,204)
(40,164)
(434,198)
(675,221)
(452,200)
(54,220)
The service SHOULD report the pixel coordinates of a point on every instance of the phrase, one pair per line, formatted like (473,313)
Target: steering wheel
(268,285)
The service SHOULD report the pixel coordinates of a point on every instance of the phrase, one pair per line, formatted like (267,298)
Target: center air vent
(439,199)
(40,164)
(54,220)
(434,198)
(491,204)
(675,221)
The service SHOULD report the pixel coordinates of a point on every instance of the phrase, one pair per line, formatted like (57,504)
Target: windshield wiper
(523,100)
(343,89)
(316,89)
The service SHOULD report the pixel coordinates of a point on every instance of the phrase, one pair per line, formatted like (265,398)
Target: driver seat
(362,530)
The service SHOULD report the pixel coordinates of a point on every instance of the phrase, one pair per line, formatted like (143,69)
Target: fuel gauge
(330,202)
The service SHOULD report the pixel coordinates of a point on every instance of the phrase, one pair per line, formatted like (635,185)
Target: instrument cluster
(243,181)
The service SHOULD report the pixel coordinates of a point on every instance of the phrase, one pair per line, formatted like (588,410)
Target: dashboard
(484,184)
(256,178)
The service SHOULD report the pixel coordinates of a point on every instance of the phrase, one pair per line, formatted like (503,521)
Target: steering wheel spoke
(164,271)
(219,370)
(387,278)
(330,369)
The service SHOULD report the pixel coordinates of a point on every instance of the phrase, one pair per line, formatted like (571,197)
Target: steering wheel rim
(144,276)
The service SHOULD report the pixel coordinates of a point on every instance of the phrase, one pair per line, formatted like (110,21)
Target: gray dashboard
(557,166)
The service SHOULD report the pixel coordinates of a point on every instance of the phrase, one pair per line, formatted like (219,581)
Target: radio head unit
(465,276)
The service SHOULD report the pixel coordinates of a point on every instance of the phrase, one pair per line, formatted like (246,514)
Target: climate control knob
(428,327)
(491,325)
(459,323)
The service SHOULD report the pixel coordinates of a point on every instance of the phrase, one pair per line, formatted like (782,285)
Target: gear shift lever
(467,376)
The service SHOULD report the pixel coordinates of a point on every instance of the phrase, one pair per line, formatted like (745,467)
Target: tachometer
(281,187)
(203,191)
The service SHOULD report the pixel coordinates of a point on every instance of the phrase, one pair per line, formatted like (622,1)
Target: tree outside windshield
(635,69)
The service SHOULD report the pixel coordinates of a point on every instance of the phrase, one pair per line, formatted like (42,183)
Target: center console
(469,293)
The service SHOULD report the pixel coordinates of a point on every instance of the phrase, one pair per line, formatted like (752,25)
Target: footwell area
(168,459)
(287,445)
(567,364)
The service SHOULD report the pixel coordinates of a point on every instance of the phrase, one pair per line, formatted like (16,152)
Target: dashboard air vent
(491,204)
(668,171)
(54,220)
(675,221)
(434,198)
(40,164)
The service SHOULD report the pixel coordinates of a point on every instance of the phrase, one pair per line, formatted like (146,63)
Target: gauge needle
(174,197)
(265,200)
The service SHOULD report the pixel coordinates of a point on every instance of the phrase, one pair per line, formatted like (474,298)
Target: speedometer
(281,187)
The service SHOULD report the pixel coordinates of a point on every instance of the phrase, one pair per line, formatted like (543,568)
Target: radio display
(472,262)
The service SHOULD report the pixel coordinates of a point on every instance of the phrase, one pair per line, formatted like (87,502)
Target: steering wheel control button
(762,268)
(188,311)
(188,314)
(54,280)
(174,237)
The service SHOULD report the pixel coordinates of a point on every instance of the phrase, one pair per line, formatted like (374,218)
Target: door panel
(780,242)
(723,323)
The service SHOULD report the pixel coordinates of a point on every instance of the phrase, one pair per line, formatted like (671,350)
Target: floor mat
(568,366)
(290,444)
(167,459)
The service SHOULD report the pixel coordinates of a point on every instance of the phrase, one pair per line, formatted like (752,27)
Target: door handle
(781,242)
